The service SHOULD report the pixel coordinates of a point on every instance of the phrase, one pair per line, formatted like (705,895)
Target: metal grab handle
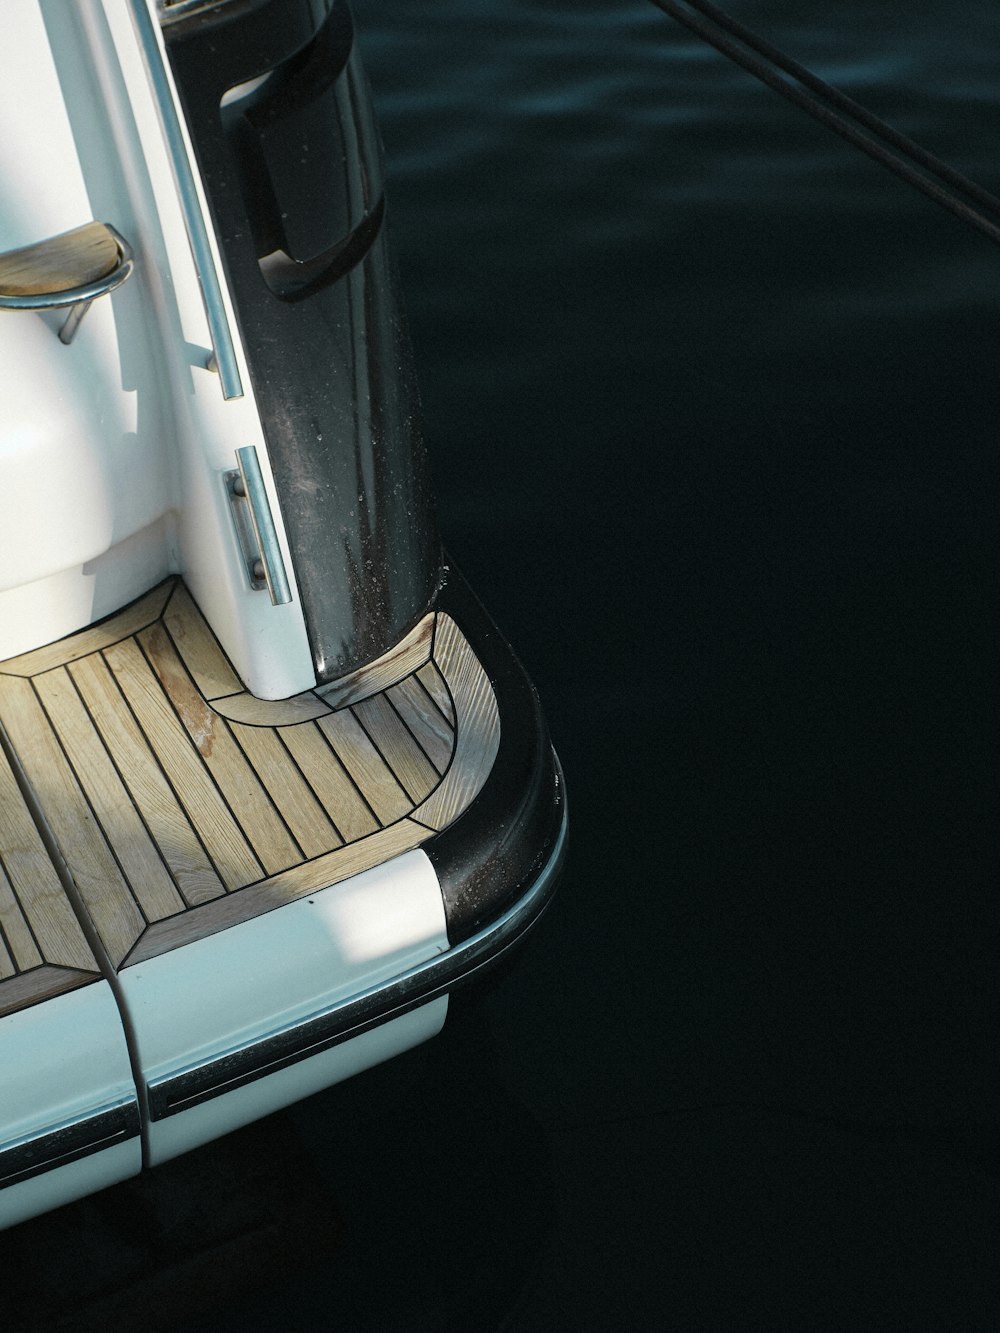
(71,269)
(255,527)
(224,351)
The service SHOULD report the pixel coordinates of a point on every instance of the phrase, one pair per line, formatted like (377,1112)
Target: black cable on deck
(762,60)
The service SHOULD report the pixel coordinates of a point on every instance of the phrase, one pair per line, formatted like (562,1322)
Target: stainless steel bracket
(32,263)
(255,528)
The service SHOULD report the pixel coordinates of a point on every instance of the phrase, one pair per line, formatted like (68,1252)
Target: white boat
(271,783)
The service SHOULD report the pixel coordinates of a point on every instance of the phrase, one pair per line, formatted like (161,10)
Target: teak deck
(160,802)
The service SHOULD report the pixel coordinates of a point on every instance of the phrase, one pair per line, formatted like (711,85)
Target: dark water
(712,403)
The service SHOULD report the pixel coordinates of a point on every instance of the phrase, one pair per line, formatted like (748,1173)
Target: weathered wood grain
(330,781)
(127,722)
(415,706)
(59,263)
(288,789)
(198,647)
(256,712)
(478,736)
(410,653)
(42,926)
(147,876)
(94,870)
(7,966)
(244,794)
(20,945)
(433,682)
(189,865)
(92,640)
(366,766)
(231,854)
(310,877)
(42,983)
(416,774)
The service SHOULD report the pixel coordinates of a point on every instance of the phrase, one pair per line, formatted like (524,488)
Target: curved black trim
(381,1003)
(487,857)
(497,867)
(295,280)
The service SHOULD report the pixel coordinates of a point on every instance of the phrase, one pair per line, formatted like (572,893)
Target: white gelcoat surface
(126,426)
(62,1185)
(217,994)
(38,612)
(61,1061)
(189,1129)
(76,476)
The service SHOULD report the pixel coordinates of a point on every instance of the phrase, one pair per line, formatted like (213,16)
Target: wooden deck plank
(366,766)
(147,876)
(310,877)
(288,789)
(275,800)
(16,931)
(246,797)
(416,774)
(410,653)
(339,865)
(7,965)
(245,707)
(94,869)
(222,837)
(330,781)
(40,896)
(198,647)
(433,682)
(41,983)
(190,867)
(478,737)
(424,720)
(92,640)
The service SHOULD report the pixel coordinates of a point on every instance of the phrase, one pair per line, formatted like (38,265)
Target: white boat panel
(267,644)
(81,474)
(114,448)
(66,1183)
(224,993)
(64,1064)
(210,1120)
(37,612)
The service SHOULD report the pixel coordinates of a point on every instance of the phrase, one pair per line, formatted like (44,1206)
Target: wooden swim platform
(148,800)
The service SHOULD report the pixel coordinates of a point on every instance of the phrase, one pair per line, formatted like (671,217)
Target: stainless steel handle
(255,527)
(194,221)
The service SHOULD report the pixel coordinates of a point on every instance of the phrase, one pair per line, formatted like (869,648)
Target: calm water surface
(713,403)
(683,350)
(713,407)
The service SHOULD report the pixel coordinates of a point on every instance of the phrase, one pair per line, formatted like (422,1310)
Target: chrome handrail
(187,191)
(248,484)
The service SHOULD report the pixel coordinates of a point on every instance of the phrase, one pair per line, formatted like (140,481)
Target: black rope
(707,21)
